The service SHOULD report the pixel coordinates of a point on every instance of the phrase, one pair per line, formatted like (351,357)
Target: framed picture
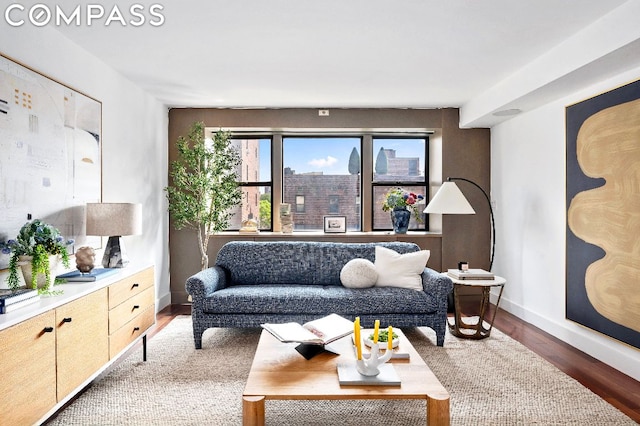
(602,266)
(335,224)
(51,147)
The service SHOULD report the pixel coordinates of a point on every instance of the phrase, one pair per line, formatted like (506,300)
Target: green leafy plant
(399,198)
(204,185)
(38,240)
(383,336)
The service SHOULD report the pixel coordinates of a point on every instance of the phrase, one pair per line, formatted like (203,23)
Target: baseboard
(616,354)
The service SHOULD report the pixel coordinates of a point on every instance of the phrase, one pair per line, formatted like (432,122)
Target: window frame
(367,185)
(400,183)
(258,183)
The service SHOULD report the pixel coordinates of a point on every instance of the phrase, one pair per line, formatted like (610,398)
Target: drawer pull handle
(47,330)
(136,328)
(136,306)
(135,285)
(66,320)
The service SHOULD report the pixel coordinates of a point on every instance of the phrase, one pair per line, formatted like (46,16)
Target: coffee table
(279,372)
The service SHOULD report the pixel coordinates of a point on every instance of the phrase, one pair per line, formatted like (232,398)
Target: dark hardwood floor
(618,389)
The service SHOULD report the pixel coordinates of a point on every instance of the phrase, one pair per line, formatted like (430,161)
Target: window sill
(336,235)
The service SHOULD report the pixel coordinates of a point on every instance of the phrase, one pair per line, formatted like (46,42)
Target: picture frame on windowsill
(335,224)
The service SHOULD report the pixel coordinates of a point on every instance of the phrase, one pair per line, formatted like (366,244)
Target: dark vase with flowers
(400,217)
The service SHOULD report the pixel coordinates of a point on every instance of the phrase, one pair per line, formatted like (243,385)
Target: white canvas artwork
(50,145)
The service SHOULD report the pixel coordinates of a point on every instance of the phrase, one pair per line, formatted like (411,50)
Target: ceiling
(333,53)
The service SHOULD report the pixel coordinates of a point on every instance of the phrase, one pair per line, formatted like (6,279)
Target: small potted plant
(401,204)
(32,250)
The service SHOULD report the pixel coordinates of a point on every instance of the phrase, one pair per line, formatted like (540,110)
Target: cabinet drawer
(28,385)
(128,287)
(129,309)
(131,331)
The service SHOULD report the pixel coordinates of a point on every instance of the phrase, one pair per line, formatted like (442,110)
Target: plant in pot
(204,185)
(402,204)
(37,248)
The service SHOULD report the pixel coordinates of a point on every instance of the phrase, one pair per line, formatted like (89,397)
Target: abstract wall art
(603,213)
(50,166)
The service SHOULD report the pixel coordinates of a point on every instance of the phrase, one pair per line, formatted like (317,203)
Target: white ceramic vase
(25,265)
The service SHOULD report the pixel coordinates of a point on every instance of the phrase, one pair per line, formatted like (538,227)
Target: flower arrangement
(38,240)
(398,198)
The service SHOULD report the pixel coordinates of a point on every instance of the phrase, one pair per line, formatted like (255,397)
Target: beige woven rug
(496,381)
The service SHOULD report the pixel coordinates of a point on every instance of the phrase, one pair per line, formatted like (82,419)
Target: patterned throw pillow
(400,270)
(358,273)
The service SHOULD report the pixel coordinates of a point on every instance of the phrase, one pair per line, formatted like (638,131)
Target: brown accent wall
(465,153)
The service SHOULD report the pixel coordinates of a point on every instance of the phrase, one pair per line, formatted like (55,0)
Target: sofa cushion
(358,273)
(400,270)
(293,299)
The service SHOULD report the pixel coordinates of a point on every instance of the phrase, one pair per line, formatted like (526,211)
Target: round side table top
(478,283)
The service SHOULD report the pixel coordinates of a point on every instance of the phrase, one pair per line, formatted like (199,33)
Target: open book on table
(317,332)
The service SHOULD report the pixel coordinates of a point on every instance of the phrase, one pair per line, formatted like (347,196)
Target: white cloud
(323,162)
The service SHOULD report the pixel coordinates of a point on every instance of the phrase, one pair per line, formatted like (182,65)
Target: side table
(477,330)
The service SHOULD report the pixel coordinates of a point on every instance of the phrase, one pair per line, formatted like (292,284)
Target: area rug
(495,381)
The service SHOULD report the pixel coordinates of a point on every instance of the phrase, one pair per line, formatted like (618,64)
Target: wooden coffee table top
(280,372)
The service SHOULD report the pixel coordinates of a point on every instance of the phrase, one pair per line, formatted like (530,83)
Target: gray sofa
(273,282)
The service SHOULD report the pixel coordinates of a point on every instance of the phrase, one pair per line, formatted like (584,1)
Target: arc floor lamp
(450,200)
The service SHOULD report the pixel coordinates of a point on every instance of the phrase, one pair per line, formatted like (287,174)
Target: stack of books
(470,274)
(11,300)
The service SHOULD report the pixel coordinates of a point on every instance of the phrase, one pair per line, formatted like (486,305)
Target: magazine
(317,332)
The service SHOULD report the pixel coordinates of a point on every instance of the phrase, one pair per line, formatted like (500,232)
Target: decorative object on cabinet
(37,249)
(204,185)
(450,200)
(85,259)
(114,220)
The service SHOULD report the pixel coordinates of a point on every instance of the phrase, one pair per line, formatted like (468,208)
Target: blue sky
(330,155)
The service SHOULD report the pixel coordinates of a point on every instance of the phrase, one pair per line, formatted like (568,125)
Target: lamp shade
(449,200)
(114,219)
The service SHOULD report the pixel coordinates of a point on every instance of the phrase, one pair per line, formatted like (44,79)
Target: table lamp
(114,220)
(450,200)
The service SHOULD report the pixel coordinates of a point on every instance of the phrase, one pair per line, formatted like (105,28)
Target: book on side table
(313,336)
(470,274)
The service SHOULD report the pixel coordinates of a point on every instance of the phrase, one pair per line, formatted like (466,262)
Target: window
(323,170)
(398,163)
(321,175)
(299,203)
(334,204)
(254,173)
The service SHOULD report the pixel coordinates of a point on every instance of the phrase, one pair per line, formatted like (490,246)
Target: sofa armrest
(206,282)
(438,284)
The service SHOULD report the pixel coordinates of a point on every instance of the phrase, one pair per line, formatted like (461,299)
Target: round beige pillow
(358,273)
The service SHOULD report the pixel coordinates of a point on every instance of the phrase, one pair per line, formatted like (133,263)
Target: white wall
(134,130)
(528,186)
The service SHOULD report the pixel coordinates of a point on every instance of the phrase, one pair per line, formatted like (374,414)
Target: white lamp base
(115,255)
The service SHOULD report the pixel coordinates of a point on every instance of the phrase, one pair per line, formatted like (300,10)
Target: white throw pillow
(358,273)
(400,270)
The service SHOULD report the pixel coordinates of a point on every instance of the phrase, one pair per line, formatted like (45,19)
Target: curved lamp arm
(493,224)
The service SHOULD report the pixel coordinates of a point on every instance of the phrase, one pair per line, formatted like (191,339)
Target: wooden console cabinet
(52,349)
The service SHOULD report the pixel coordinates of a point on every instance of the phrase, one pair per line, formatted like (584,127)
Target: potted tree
(37,250)
(204,185)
